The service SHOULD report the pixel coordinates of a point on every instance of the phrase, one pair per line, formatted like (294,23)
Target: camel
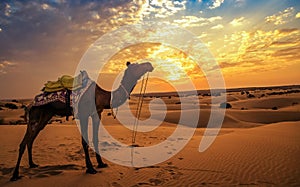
(91,104)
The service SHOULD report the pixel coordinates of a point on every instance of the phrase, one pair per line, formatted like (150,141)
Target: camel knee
(84,143)
(33,126)
(22,147)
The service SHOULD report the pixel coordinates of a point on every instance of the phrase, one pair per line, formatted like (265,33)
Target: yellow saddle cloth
(66,82)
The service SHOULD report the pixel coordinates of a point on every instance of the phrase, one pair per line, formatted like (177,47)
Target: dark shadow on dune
(43,171)
(6,171)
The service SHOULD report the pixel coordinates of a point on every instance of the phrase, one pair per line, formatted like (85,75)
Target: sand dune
(256,156)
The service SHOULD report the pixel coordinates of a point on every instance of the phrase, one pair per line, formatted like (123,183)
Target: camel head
(135,71)
(132,74)
(138,70)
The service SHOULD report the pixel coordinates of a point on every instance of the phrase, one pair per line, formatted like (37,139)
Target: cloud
(160,8)
(194,21)
(290,52)
(297,15)
(46,6)
(238,21)
(5,66)
(281,17)
(55,27)
(239,3)
(216,4)
(203,35)
(256,50)
(217,27)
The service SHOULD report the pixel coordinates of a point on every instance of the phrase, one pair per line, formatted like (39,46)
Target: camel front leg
(84,140)
(22,147)
(96,123)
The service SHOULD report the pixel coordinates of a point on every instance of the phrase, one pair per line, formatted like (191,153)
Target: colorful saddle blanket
(62,96)
(66,82)
(46,97)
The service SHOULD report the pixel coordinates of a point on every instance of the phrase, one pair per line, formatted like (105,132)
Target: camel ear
(127,63)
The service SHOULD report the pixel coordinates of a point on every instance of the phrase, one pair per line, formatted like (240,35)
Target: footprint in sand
(155,181)
(48,173)
(115,184)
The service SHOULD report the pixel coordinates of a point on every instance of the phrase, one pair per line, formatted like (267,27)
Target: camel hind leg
(22,147)
(44,118)
(33,128)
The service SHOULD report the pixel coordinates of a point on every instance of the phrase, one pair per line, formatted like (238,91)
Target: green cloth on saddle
(65,82)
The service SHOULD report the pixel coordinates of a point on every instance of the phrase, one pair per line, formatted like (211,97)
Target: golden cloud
(217,27)
(250,51)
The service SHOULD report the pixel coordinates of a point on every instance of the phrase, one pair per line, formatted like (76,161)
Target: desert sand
(258,145)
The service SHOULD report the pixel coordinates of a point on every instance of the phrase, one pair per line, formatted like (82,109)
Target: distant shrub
(15,101)
(216,94)
(178,103)
(1,121)
(11,106)
(243,108)
(18,122)
(275,108)
(242,92)
(250,96)
(225,105)
(1,108)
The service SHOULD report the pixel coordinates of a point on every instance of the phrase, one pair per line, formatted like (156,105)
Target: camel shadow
(43,171)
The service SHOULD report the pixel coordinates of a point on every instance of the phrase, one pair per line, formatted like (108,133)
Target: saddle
(62,89)
(66,82)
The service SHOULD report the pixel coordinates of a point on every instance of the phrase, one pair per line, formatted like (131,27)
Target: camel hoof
(15,178)
(103,165)
(91,171)
(33,166)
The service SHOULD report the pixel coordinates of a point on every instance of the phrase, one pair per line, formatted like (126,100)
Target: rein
(139,107)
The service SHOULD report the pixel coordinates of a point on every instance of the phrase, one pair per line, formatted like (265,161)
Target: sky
(254,42)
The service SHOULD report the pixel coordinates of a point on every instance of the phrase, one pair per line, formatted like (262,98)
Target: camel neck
(120,95)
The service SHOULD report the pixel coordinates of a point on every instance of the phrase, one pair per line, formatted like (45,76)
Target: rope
(139,108)
(112,111)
